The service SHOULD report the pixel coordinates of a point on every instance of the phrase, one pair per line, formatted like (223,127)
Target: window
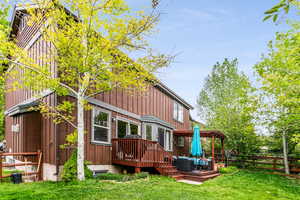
(101,126)
(134,129)
(169,140)
(180,141)
(122,129)
(125,127)
(178,112)
(23,22)
(148,132)
(165,138)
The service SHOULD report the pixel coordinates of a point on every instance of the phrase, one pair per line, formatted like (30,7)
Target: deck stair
(200,176)
(168,170)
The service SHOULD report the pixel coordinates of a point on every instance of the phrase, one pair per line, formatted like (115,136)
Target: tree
(89,40)
(283,7)
(279,72)
(4,25)
(227,104)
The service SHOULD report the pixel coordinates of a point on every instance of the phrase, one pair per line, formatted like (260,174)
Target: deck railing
(140,151)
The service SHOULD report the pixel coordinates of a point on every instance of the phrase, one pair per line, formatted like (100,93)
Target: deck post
(213,153)
(137,170)
(223,151)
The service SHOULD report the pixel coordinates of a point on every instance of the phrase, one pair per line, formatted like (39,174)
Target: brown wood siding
(152,102)
(39,48)
(36,133)
(14,140)
(23,36)
(96,153)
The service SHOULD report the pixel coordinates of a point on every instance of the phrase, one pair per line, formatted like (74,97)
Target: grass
(240,185)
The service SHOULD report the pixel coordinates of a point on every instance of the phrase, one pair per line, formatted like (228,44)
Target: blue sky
(204,32)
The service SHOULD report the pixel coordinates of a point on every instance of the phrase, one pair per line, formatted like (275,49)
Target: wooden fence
(26,159)
(264,162)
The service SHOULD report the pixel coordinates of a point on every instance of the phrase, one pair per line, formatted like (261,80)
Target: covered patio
(212,134)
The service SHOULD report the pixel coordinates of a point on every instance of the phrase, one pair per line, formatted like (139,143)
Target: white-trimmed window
(180,141)
(101,126)
(149,132)
(127,127)
(165,138)
(178,112)
(23,22)
(169,140)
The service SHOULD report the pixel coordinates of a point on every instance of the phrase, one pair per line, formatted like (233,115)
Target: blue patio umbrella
(196,149)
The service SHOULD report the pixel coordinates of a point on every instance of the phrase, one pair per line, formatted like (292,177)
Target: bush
(228,170)
(70,169)
(122,177)
(141,175)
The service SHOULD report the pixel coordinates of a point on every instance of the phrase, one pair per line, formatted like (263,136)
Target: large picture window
(178,112)
(126,127)
(101,132)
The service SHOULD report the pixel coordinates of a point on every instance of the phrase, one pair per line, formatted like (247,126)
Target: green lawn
(238,186)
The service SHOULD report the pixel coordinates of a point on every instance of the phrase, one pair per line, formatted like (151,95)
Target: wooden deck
(141,153)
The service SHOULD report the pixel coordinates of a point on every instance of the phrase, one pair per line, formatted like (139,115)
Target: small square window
(180,141)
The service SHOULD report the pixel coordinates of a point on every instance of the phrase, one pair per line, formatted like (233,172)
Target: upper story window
(23,22)
(101,130)
(178,112)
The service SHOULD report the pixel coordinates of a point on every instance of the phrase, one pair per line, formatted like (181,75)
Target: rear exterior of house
(153,115)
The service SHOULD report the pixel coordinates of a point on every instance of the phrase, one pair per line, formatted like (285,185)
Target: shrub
(122,177)
(70,169)
(141,175)
(228,170)
(110,176)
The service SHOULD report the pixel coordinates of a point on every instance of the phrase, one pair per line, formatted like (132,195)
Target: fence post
(274,163)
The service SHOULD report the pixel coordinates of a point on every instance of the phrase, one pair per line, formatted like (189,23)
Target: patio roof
(203,133)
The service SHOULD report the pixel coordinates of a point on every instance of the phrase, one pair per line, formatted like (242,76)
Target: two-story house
(115,114)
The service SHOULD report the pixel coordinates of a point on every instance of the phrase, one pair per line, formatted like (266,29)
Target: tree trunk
(285,153)
(80,140)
